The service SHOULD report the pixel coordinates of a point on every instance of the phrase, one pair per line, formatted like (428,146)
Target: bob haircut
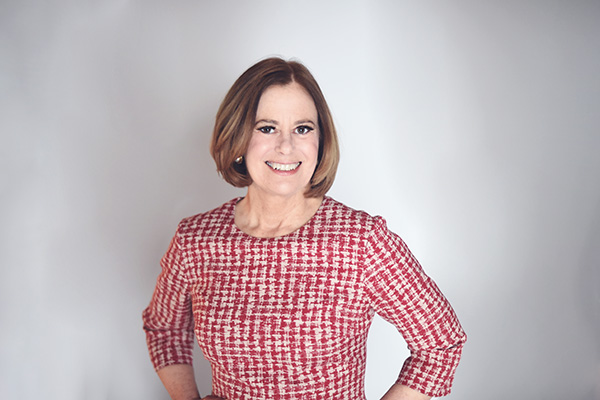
(236,118)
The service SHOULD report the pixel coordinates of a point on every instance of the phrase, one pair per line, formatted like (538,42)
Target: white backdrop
(473,127)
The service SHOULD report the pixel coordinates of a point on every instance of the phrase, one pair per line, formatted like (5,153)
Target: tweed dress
(287,318)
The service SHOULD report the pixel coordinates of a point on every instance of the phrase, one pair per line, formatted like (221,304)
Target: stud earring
(239,160)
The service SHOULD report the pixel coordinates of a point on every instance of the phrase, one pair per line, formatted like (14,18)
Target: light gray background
(472,126)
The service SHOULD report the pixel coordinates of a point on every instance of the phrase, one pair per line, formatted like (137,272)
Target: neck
(271,216)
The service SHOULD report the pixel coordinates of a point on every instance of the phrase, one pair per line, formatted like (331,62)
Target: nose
(285,143)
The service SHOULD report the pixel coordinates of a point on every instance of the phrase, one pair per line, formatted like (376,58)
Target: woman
(280,286)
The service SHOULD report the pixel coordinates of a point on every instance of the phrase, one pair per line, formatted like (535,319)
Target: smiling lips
(283,167)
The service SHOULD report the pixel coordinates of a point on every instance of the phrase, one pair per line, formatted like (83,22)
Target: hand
(211,397)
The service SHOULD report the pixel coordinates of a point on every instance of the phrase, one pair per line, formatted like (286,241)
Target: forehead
(291,98)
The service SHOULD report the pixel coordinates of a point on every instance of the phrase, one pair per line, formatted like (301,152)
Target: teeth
(283,167)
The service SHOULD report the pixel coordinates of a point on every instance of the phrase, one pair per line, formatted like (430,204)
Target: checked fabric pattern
(287,318)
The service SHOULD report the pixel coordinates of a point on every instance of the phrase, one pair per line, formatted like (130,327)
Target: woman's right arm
(168,323)
(179,381)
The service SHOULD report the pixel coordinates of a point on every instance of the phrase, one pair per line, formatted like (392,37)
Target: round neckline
(292,233)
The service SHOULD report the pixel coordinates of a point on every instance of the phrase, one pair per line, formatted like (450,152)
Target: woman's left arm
(401,292)
(401,392)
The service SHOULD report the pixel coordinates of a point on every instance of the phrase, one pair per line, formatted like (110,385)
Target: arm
(168,323)
(179,381)
(401,392)
(404,295)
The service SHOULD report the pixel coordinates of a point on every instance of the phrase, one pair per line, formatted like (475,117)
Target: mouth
(283,167)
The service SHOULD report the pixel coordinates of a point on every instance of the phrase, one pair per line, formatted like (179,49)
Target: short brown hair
(237,114)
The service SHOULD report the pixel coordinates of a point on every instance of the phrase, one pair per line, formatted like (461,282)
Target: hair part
(236,117)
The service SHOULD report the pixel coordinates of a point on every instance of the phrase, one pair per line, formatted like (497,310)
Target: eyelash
(271,129)
(266,129)
(306,129)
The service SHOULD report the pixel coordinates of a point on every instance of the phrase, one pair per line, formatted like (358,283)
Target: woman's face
(283,150)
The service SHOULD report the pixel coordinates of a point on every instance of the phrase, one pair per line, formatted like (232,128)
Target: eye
(303,130)
(266,129)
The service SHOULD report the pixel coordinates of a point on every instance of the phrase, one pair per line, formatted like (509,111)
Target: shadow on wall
(590,291)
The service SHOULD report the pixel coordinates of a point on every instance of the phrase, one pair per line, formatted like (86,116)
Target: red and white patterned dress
(287,317)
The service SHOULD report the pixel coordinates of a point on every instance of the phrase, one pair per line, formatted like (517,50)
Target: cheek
(256,147)
(314,149)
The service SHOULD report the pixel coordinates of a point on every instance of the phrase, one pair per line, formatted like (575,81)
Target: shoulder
(210,221)
(338,215)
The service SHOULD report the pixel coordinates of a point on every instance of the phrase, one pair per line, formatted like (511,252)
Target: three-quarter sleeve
(168,320)
(401,292)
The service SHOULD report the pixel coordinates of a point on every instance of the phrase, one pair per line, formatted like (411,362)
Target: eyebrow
(272,121)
